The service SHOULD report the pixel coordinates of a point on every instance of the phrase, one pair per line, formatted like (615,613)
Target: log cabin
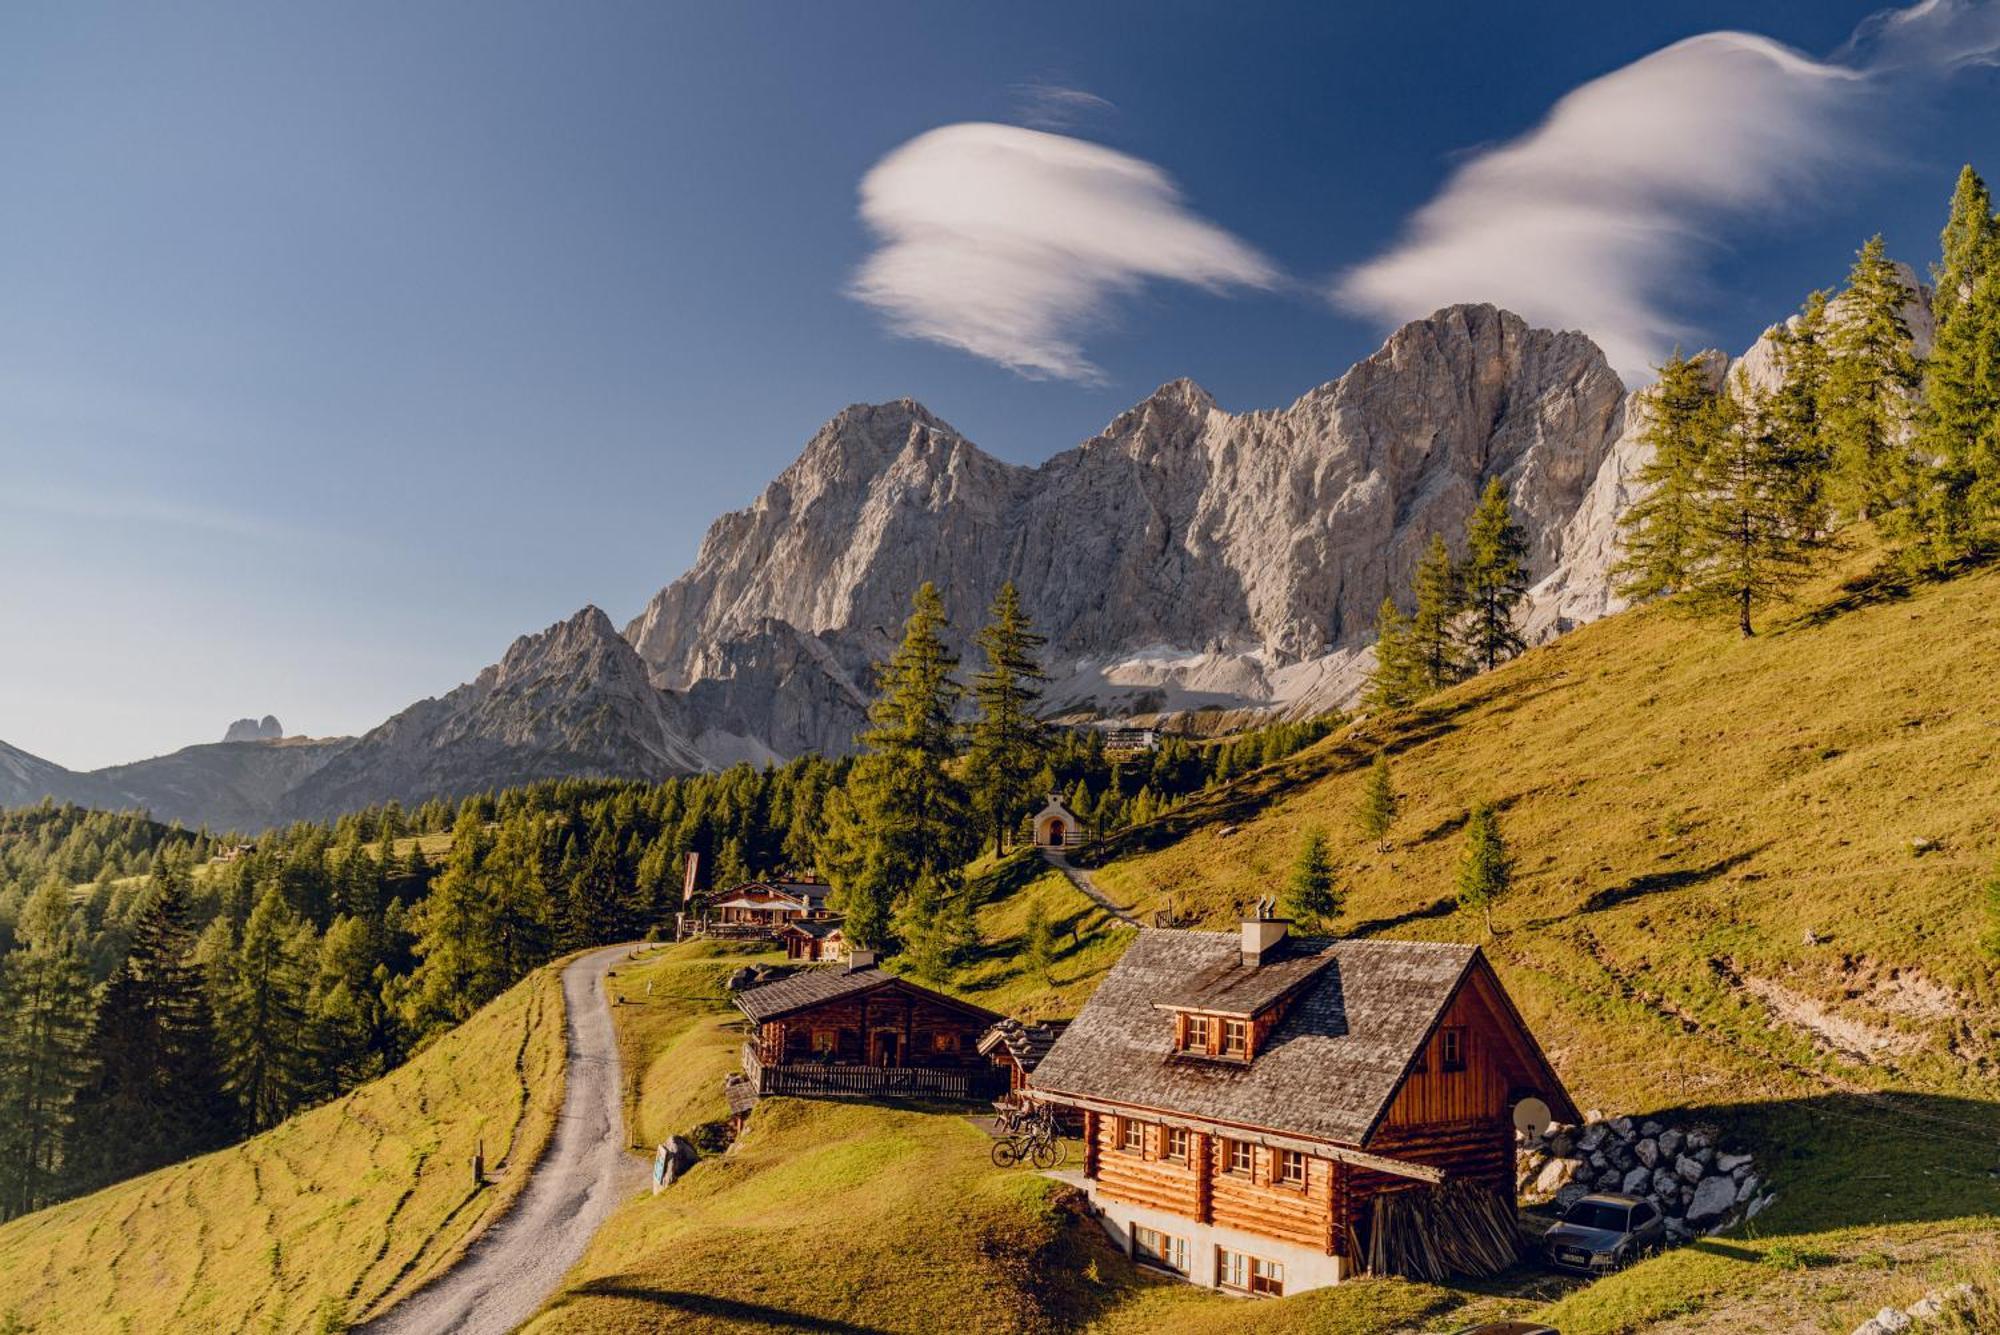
(1017,1047)
(770,904)
(814,940)
(857,1030)
(1249,1098)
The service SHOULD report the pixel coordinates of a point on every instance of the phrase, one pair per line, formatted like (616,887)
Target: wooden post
(479,1164)
(1204,1179)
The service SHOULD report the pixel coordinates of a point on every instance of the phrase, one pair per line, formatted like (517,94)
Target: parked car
(1510,1328)
(1603,1231)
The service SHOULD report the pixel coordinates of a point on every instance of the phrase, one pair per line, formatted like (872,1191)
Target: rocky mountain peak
(266,729)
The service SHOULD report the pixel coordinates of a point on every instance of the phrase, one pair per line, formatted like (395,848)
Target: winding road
(513,1267)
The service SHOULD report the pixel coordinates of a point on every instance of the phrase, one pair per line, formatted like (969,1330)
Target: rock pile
(1931,1307)
(1687,1176)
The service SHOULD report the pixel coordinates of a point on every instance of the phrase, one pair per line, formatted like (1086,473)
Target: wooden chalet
(769,904)
(814,940)
(1018,1047)
(856,1030)
(1252,1103)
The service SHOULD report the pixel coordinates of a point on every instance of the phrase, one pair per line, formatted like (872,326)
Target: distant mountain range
(1184,558)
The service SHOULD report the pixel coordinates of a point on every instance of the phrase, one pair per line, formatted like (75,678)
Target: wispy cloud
(1058,107)
(1011,243)
(1594,219)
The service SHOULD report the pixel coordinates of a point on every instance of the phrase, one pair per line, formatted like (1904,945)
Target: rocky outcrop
(266,729)
(1185,556)
(1698,1187)
(572,701)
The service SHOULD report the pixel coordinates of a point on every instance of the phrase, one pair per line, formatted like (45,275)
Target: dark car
(1510,1328)
(1604,1231)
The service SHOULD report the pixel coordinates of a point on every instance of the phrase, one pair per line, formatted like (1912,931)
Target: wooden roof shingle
(1326,1072)
(817,986)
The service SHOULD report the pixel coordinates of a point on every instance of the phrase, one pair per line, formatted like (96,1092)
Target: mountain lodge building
(1250,1101)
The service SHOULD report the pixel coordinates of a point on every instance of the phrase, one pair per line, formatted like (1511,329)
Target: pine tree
(1397,679)
(1496,578)
(45,995)
(1958,443)
(155,1091)
(905,814)
(1309,894)
(1007,741)
(1658,528)
(934,921)
(1792,410)
(1038,945)
(1440,599)
(1377,810)
(1870,386)
(1486,871)
(454,974)
(266,1059)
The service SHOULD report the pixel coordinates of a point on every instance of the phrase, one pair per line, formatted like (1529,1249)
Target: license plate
(1571,1256)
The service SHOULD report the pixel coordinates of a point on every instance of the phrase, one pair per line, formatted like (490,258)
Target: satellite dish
(1532,1117)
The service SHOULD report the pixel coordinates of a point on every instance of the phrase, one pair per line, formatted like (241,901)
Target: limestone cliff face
(1185,555)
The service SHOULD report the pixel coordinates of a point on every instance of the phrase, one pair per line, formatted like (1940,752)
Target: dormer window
(1198,1031)
(1235,1038)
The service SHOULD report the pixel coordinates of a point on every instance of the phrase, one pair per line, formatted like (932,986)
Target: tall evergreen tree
(453,976)
(1496,578)
(1657,530)
(1486,870)
(1038,944)
(905,814)
(155,1092)
(1007,742)
(1871,383)
(1958,438)
(1754,540)
(1309,894)
(267,1062)
(45,995)
(1440,599)
(1376,812)
(1397,681)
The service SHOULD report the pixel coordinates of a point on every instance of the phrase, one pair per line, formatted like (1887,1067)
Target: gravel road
(520,1260)
(1080,878)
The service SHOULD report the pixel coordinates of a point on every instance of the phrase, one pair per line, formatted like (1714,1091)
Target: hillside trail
(520,1260)
(1080,878)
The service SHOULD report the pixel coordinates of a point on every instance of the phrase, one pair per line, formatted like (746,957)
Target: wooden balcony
(825,1080)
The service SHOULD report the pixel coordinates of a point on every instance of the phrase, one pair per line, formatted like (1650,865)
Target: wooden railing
(814,1080)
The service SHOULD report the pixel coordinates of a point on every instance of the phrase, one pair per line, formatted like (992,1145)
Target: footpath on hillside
(1080,878)
(518,1262)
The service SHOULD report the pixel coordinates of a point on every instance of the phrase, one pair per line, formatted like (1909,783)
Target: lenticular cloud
(1010,243)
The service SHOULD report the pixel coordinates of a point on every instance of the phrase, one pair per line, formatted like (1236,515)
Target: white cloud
(1594,219)
(1054,106)
(1011,243)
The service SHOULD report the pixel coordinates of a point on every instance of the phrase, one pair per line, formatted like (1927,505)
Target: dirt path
(521,1259)
(1080,878)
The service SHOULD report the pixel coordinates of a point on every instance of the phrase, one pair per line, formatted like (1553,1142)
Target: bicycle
(1038,1141)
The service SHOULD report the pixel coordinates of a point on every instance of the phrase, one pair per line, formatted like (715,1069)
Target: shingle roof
(1026,1043)
(816,927)
(816,986)
(1229,986)
(1326,1072)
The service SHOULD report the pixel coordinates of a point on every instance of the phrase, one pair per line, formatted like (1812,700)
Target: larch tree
(1007,740)
(1657,530)
(1486,869)
(1038,945)
(1397,680)
(45,994)
(267,1063)
(1752,541)
(904,812)
(1871,384)
(1495,579)
(1440,600)
(1376,812)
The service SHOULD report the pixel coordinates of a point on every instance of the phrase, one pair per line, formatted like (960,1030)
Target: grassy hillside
(318,1221)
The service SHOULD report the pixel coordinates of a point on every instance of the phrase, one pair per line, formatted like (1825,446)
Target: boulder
(1699,1139)
(1555,1175)
(1647,1152)
(740,979)
(1622,1127)
(1713,1198)
(1636,1181)
(1892,1319)
(1609,1179)
(1562,1144)
(1729,1163)
(1592,1138)
(1650,1128)
(1746,1190)
(1666,1183)
(1757,1206)
(1670,1143)
(1570,1195)
(1600,1161)
(1690,1171)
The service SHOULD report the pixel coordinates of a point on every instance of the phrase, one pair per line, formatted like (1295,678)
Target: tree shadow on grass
(1655,882)
(1441,908)
(684,1303)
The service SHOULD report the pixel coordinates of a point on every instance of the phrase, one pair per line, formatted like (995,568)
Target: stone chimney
(858,959)
(1263,931)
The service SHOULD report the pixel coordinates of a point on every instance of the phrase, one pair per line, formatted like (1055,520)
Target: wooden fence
(813,1080)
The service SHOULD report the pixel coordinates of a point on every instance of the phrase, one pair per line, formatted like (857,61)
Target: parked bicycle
(1033,1137)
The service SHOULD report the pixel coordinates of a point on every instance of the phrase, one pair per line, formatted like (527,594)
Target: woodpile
(1433,1233)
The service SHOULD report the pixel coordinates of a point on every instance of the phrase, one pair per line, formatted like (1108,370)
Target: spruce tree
(154,1094)
(1871,381)
(1038,945)
(1953,507)
(1397,679)
(1376,812)
(45,995)
(905,813)
(1440,599)
(1657,530)
(1496,579)
(1309,894)
(267,1062)
(1486,870)
(1007,742)
(454,924)
(1792,410)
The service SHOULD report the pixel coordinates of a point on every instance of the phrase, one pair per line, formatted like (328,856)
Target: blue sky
(341,344)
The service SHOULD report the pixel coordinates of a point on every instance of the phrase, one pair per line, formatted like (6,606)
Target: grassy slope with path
(317,1221)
